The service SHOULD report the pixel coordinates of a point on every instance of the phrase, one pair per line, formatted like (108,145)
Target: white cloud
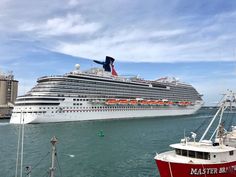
(73,2)
(68,25)
(168,33)
(179,31)
(89,29)
(208,41)
(4,3)
(152,46)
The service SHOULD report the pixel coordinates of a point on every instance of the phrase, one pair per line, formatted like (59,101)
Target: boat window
(206,155)
(178,151)
(184,152)
(231,152)
(199,155)
(191,154)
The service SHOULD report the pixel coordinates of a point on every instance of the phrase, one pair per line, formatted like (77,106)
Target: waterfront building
(8,94)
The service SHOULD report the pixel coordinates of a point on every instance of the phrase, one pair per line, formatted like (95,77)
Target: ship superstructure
(101,94)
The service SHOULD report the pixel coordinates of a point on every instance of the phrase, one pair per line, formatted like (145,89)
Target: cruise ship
(99,93)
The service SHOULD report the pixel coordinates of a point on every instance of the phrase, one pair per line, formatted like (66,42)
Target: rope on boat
(171,174)
(40,161)
(46,174)
(203,168)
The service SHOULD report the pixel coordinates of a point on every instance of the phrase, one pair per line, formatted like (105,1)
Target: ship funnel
(108,65)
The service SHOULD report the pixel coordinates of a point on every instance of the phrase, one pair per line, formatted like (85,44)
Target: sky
(194,41)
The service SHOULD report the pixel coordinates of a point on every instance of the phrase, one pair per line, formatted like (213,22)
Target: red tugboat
(203,158)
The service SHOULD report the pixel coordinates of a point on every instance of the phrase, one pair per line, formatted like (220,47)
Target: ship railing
(44,77)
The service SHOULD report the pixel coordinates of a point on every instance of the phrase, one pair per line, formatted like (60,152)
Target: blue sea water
(127,148)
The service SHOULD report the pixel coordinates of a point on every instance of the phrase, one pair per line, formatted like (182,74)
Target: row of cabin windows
(106,110)
(138,94)
(77,104)
(80,99)
(193,154)
(183,95)
(95,107)
(80,96)
(107,86)
(92,83)
(35,112)
(39,108)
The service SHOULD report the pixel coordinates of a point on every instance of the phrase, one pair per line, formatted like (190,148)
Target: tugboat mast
(228,100)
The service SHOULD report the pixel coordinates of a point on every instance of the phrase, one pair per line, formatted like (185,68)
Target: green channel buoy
(100,133)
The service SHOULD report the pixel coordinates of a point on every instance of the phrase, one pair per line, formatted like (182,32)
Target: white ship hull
(98,94)
(19,118)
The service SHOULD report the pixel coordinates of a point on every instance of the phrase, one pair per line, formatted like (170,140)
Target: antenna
(54,153)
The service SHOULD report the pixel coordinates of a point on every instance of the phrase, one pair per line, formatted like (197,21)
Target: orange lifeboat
(133,102)
(123,101)
(159,102)
(111,101)
(184,103)
(188,103)
(144,102)
(181,103)
(152,102)
(170,103)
